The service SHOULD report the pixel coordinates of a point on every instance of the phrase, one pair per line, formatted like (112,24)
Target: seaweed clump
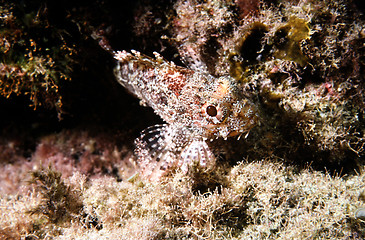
(59,202)
(36,55)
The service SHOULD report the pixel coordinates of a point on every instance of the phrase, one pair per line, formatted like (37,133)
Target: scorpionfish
(196,107)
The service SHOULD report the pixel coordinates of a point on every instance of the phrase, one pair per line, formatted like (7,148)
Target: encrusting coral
(298,173)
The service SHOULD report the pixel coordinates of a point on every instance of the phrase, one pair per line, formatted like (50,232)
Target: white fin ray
(196,152)
(154,156)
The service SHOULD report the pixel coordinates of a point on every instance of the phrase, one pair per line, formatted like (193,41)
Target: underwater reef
(67,155)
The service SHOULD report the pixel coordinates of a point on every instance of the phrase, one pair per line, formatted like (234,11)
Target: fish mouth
(221,130)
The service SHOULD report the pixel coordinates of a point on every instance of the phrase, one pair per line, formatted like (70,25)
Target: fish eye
(211,111)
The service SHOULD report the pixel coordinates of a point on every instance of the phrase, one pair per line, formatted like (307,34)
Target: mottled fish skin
(196,107)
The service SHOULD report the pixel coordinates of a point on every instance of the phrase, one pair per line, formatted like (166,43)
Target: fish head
(225,112)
